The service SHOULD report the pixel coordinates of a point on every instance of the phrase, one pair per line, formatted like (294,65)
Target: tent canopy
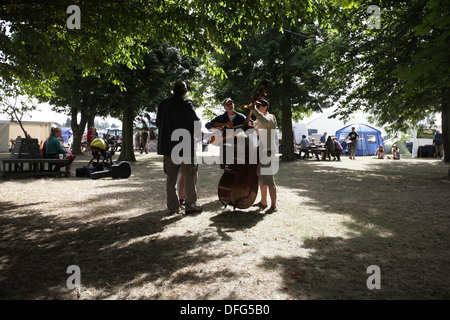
(369,138)
(11,130)
(400,144)
(66,134)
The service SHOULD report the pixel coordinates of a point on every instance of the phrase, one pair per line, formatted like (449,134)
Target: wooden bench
(25,161)
(26,168)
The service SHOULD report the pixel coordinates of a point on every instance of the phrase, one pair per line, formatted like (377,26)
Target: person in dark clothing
(337,149)
(230,115)
(144,143)
(329,145)
(178,113)
(352,144)
(438,143)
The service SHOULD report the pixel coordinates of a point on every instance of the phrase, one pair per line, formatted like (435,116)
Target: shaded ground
(335,219)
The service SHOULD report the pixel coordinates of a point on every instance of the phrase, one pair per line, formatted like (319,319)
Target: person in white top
(266,122)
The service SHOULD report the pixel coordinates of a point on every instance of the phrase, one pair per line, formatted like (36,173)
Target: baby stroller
(101,165)
(101,154)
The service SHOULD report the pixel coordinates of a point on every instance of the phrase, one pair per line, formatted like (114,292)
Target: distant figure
(337,149)
(395,153)
(354,137)
(144,144)
(304,146)
(152,142)
(329,145)
(89,138)
(137,140)
(380,154)
(438,144)
(323,138)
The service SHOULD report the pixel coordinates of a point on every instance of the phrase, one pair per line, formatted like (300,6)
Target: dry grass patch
(335,219)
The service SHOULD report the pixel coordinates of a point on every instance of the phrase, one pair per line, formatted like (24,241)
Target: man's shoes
(196,209)
(174,211)
(271,210)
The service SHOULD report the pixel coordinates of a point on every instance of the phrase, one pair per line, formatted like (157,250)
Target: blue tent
(369,138)
(66,134)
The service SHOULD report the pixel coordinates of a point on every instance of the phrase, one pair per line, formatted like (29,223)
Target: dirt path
(335,219)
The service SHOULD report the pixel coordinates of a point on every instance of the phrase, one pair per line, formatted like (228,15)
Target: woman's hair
(53,131)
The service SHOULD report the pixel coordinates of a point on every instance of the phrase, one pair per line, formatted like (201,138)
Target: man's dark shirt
(174,113)
(239,119)
(438,140)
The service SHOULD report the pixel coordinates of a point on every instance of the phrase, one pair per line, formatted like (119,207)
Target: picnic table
(316,150)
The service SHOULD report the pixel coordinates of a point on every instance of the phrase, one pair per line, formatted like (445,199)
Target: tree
(144,87)
(76,94)
(38,45)
(399,72)
(14,104)
(294,72)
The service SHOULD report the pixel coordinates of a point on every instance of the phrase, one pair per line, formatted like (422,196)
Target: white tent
(10,131)
(298,130)
(322,123)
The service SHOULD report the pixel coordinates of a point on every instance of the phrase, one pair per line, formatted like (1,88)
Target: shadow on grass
(398,217)
(398,220)
(112,255)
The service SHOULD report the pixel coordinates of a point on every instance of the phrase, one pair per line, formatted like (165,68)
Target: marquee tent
(369,138)
(10,131)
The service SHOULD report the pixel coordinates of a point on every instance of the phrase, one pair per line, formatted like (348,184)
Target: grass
(335,219)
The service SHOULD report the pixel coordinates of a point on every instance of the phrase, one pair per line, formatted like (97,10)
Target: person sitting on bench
(53,147)
(337,150)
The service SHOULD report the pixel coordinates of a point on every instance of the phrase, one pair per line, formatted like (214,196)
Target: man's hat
(224,102)
(263,102)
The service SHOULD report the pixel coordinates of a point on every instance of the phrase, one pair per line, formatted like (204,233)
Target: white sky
(44,113)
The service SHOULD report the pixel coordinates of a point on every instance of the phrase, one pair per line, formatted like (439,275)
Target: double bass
(238,185)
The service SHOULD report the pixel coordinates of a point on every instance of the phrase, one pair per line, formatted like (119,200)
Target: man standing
(323,139)
(178,113)
(354,136)
(438,143)
(89,138)
(144,144)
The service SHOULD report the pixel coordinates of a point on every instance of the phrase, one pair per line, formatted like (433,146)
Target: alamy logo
(374,21)
(374,281)
(240,147)
(74,281)
(74,20)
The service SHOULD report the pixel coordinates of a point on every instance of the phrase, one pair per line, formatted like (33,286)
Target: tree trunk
(287,146)
(446,126)
(78,130)
(90,121)
(127,150)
